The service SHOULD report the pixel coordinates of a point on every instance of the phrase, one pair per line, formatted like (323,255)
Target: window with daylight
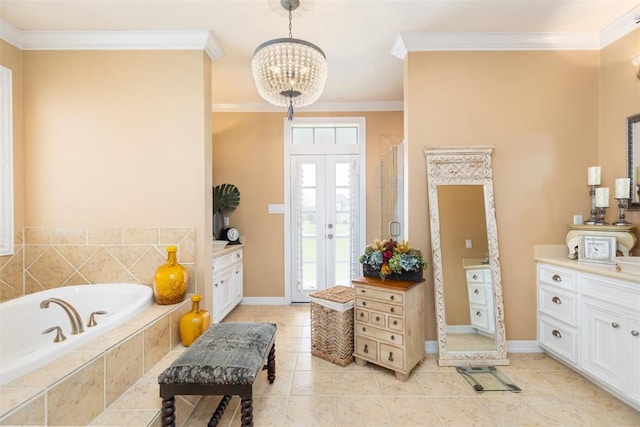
(6,163)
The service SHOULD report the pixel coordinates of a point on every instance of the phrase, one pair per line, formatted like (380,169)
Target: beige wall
(119,138)
(540,111)
(248,151)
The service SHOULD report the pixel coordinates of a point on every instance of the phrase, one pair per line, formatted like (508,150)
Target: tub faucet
(74,316)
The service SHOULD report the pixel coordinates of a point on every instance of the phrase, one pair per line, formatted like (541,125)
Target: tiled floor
(309,391)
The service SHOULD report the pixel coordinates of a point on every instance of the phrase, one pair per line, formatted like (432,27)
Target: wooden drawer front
(475,276)
(558,305)
(391,355)
(378,319)
(380,294)
(366,347)
(479,316)
(558,339)
(395,323)
(381,334)
(557,276)
(477,294)
(362,315)
(379,306)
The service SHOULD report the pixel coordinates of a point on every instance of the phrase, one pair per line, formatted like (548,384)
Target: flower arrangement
(389,257)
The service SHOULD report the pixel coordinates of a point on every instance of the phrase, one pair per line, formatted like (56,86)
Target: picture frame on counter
(598,249)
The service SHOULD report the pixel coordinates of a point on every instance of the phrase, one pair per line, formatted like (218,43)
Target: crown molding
(314,108)
(10,34)
(620,27)
(416,42)
(112,40)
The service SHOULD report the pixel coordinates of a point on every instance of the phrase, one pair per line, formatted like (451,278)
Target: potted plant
(226,198)
(394,260)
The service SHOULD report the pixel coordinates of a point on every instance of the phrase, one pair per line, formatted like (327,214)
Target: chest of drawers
(389,324)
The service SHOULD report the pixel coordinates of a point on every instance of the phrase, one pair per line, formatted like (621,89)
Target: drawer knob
(366,348)
(364,303)
(476,292)
(475,276)
(392,338)
(395,322)
(635,333)
(556,300)
(478,314)
(391,356)
(361,314)
(556,333)
(556,278)
(377,318)
(615,325)
(393,310)
(392,297)
(364,329)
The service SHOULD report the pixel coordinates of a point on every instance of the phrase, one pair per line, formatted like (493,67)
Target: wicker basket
(332,324)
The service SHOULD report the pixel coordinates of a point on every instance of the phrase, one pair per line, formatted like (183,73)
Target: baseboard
(263,301)
(520,346)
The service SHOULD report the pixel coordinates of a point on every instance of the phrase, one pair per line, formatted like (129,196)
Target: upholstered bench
(224,361)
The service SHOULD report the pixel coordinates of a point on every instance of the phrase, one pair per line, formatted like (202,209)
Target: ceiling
(357,36)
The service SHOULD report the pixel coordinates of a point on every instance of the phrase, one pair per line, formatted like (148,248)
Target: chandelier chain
(290,26)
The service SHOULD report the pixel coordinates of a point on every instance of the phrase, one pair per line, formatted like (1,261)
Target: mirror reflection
(468,297)
(392,188)
(633,159)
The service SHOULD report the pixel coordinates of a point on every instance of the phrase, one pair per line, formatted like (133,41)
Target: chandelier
(289,72)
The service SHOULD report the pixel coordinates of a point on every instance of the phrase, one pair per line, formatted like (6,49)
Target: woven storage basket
(332,324)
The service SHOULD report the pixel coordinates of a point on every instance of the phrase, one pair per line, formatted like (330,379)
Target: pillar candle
(622,188)
(593,175)
(602,197)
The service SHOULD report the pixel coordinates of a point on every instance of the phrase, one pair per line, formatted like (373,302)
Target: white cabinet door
(603,352)
(237,283)
(634,354)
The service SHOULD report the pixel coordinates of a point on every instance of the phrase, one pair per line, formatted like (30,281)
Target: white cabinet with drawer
(480,292)
(591,321)
(389,324)
(227,282)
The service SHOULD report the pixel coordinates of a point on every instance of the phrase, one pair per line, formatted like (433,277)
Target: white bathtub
(23,347)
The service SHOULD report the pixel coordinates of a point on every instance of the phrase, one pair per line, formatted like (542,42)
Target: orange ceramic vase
(170,280)
(194,323)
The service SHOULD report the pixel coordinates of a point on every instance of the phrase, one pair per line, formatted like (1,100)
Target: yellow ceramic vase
(170,280)
(194,323)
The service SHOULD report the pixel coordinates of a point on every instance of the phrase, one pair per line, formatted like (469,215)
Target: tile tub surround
(77,388)
(46,257)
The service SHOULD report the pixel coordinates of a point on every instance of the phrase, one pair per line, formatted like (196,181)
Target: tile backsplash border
(50,257)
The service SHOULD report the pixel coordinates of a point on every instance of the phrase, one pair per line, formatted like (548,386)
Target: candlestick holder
(593,220)
(600,216)
(622,206)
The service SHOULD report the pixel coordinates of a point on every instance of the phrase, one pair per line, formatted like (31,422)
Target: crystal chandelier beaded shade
(289,72)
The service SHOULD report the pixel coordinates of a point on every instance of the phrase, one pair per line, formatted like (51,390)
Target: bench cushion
(227,353)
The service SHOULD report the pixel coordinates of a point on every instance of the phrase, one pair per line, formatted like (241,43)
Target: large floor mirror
(392,187)
(466,259)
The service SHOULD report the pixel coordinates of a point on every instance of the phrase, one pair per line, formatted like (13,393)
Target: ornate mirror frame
(633,160)
(465,166)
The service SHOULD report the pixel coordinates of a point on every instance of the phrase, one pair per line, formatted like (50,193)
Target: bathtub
(23,347)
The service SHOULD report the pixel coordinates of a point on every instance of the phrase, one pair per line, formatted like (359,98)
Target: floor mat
(487,378)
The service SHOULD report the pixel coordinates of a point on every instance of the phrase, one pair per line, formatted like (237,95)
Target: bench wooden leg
(168,412)
(271,364)
(222,406)
(246,406)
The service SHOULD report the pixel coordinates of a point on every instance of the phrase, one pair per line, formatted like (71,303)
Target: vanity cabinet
(592,322)
(389,324)
(480,291)
(227,282)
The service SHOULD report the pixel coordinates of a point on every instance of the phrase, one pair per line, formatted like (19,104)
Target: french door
(325,211)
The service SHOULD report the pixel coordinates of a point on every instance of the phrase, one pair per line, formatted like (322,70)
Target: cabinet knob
(392,297)
(366,348)
(556,333)
(478,314)
(615,325)
(393,310)
(475,276)
(476,292)
(361,314)
(377,318)
(635,333)
(364,329)
(395,322)
(556,278)
(215,284)
(393,338)
(391,356)
(364,303)
(556,300)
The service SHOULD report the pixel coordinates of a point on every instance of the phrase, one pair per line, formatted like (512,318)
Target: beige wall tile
(31,285)
(18,237)
(30,414)
(141,235)
(37,235)
(105,236)
(76,279)
(33,252)
(76,254)
(102,267)
(79,398)
(144,269)
(157,342)
(174,235)
(124,366)
(127,254)
(7,292)
(69,236)
(51,269)
(11,271)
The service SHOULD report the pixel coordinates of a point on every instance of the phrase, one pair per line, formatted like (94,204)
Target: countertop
(474,263)
(226,250)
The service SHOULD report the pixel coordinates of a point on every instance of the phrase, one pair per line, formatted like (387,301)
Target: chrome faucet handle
(59,335)
(92,318)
